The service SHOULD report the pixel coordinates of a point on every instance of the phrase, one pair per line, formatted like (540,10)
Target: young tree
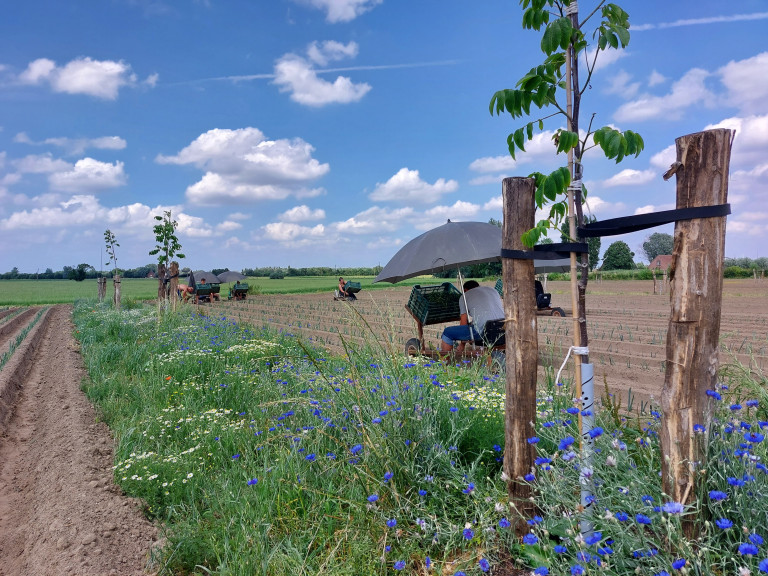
(564,43)
(168,245)
(618,256)
(111,242)
(657,244)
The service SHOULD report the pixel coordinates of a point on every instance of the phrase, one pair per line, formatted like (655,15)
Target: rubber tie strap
(572,8)
(546,251)
(577,350)
(629,224)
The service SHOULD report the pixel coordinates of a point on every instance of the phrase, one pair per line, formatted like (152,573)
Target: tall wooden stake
(522,345)
(696,277)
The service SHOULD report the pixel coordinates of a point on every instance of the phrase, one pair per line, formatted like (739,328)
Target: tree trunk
(522,352)
(161,275)
(118,297)
(102,289)
(173,285)
(696,283)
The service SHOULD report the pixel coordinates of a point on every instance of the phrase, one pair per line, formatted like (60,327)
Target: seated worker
(238,295)
(484,305)
(185,291)
(199,299)
(342,292)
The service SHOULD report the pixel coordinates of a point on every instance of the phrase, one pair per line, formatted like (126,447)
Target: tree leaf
(519,138)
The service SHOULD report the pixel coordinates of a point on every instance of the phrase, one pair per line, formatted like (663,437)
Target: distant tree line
(79,273)
(276,271)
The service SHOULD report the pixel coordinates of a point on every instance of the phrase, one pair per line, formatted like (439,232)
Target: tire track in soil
(60,512)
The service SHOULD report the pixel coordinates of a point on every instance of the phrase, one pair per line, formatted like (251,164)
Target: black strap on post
(628,224)
(546,251)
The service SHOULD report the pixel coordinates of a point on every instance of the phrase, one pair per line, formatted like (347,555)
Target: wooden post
(522,353)
(161,274)
(102,289)
(696,291)
(173,285)
(118,296)
(654,280)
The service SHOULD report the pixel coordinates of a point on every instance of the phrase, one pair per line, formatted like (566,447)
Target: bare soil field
(60,512)
(627,326)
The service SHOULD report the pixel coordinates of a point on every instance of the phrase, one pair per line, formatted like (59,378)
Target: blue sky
(331,132)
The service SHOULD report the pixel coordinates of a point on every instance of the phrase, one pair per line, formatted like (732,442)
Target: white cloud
(228,226)
(301,213)
(76,145)
(239,216)
(656,78)
(343,10)
(40,164)
(620,84)
(629,177)
(374,220)
(494,164)
(750,145)
(407,186)
(330,51)
(298,76)
(745,82)
(687,91)
(288,232)
(488,179)
(98,78)
(605,58)
(89,175)
(700,21)
(242,166)
(650,208)
(459,211)
(664,159)
(495,203)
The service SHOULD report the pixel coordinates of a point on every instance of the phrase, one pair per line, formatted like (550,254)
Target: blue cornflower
(253,481)
(470,488)
(593,538)
(422,492)
(647,499)
(504,523)
(428,562)
(662,573)
(577,570)
(679,563)
(723,523)
(530,538)
(529,477)
(533,440)
(236,456)
(698,428)
(735,407)
(310,457)
(754,437)
(388,476)
(673,508)
(566,443)
(376,420)
(373,497)
(714,394)
(541,460)
(572,410)
(468,533)
(383,413)
(541,571)
(753,403)
(399,565)
(391,523)
(484,565)
(454,409)
(717,495)
(642,519)
(356,448)
(535,520)
(604,551)
(331,456)
(595,432)
(560,549)
(763,566)
(735,481)
(748,549)
(756,539)
(460,573)
(622,516)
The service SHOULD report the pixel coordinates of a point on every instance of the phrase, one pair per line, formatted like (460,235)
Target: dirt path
(60,513)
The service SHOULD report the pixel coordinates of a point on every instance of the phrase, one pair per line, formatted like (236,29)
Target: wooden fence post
(102,288)
(696,290)
(118,295)
(522,353)
(173,285)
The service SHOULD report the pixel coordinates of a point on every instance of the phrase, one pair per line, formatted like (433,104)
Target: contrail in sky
(248,77)
(698,21)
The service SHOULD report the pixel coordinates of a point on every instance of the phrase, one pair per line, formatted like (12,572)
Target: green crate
(435,304)
(500,287)
(352,287)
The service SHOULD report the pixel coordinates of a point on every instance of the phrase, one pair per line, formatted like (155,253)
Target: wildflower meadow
(259,453)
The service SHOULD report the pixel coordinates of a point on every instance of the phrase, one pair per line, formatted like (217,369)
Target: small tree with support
(111,242)
(563,42)
(167,248)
